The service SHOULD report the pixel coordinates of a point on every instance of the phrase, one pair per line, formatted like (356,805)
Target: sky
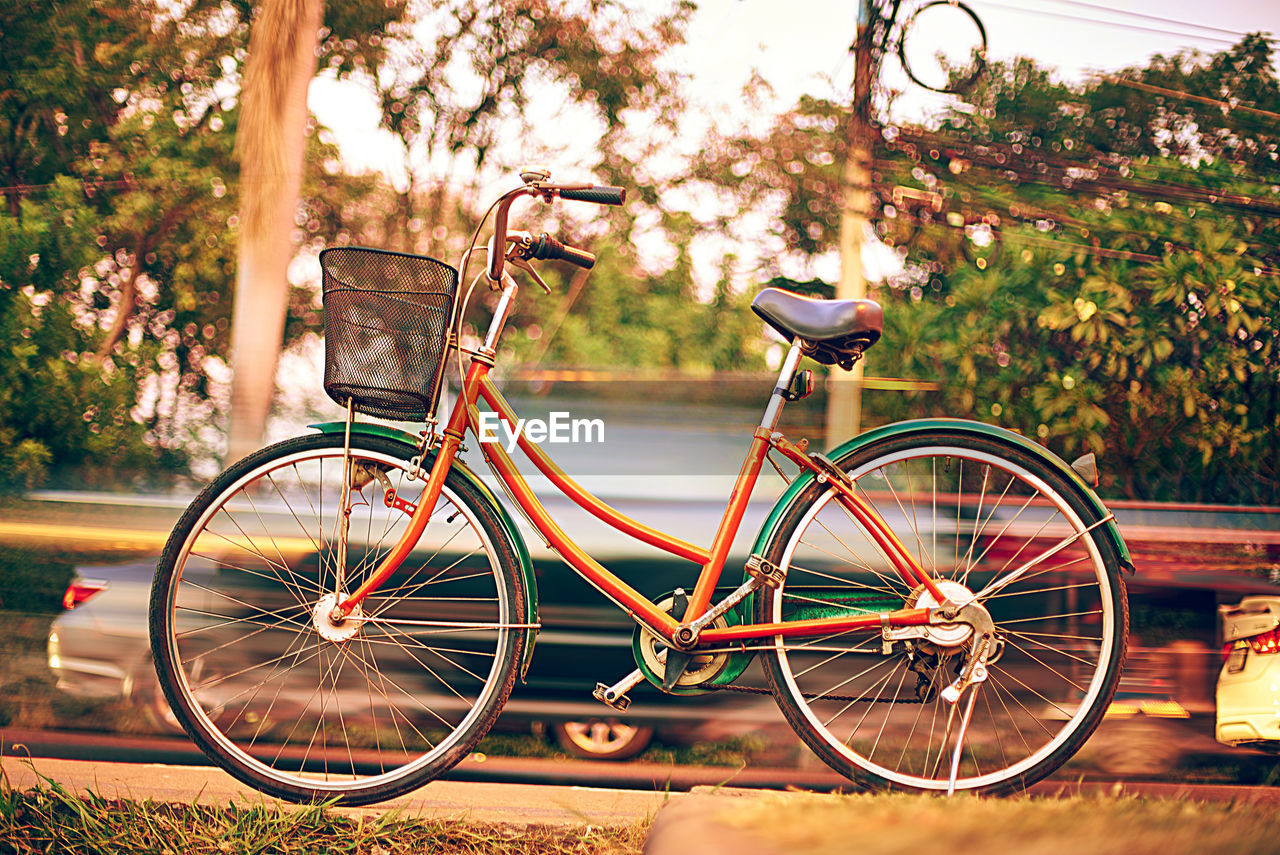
(807,48)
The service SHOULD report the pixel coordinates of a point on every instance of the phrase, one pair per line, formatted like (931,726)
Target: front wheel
(972,511)
(275,691)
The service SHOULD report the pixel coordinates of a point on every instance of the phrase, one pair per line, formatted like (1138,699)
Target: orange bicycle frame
(479,386)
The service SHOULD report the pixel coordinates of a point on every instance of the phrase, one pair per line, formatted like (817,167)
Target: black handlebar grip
(550,249)
(600,195)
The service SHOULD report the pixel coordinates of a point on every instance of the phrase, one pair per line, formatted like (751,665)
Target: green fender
(522,550)
(916,426)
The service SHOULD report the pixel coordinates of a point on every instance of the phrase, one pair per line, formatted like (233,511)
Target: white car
(1249,684)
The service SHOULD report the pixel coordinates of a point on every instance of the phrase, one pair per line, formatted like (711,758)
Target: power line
(1093,178)
(1098,21)
(1125,12)
(1023,212)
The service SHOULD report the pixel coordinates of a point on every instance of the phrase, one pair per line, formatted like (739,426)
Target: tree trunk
(270,142)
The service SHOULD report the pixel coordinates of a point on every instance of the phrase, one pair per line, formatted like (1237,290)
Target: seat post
(773,412)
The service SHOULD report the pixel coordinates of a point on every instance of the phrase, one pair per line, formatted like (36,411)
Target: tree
(1093,264)
(270,142)
(93,100)
(119,228)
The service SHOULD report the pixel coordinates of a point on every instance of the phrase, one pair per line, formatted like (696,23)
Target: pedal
(604,694)
(615,696)
(767,572)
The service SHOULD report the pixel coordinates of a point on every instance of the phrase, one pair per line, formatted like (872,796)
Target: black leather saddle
(833,332)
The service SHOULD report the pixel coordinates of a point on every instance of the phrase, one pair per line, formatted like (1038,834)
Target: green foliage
(621,318)
(60,411)
(1092,264)
(117,236)
(1107,276)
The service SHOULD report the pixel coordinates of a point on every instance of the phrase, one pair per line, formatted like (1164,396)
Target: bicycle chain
(754,690)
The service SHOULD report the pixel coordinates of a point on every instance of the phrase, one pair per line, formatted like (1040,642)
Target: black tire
(404,689)
(972,509)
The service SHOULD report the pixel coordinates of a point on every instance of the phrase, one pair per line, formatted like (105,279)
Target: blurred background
(1070,212)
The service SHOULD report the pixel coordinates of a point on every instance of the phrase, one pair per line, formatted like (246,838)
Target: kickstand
(964,729)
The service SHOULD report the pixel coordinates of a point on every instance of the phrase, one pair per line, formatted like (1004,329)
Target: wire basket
(386,318)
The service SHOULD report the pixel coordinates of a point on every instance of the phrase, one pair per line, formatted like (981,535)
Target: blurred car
(1249,683)
(99,648)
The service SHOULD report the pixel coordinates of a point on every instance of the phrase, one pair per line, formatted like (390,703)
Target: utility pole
(844,388)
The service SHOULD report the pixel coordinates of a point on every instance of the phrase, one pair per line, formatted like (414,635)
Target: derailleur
(930,666)
(966,641)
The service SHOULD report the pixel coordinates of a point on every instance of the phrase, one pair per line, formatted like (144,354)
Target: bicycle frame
(479,386)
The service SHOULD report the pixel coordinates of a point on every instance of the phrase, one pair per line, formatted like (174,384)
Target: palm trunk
(270,142)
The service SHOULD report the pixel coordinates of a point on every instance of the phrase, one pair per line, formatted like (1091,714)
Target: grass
(48,818)
(1098,825)
(735,751)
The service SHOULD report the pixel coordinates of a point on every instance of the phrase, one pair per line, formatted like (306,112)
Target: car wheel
(149,699)
(602,739)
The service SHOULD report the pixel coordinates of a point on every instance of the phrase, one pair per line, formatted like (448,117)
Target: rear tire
(971,509)
(396,694)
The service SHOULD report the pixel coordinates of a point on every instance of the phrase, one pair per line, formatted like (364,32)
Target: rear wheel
(972,511)
(307,709)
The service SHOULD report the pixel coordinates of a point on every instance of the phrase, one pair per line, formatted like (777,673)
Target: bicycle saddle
(830,331)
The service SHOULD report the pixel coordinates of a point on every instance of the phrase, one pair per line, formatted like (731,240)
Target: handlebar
(547,247)
(598,194)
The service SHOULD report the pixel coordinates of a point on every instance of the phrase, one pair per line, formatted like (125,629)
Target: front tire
(971,509)
(386,701)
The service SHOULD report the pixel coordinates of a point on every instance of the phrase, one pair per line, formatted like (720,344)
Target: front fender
(916,426)
(508,524)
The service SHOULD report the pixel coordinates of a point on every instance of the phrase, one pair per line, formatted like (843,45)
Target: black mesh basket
(386,316)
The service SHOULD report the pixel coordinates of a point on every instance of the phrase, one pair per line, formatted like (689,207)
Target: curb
(697,823)
(702,821)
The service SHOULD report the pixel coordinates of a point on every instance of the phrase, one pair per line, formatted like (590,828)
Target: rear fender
(508,524)
(793,494)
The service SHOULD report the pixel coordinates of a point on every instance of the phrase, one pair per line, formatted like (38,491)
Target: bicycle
(342,615)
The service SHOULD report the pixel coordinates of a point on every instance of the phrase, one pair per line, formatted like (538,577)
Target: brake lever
(516,260)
